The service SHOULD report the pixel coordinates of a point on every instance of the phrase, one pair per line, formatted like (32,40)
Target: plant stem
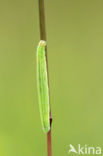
(43,37)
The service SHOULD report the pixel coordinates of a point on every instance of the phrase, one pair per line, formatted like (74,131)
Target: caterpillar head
(42,43)
(41,48)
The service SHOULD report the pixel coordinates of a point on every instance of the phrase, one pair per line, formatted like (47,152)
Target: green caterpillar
(43,89)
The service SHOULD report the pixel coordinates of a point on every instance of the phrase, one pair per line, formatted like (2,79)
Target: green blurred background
(75,55)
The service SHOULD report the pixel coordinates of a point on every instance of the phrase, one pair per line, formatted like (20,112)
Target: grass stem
(43,37)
